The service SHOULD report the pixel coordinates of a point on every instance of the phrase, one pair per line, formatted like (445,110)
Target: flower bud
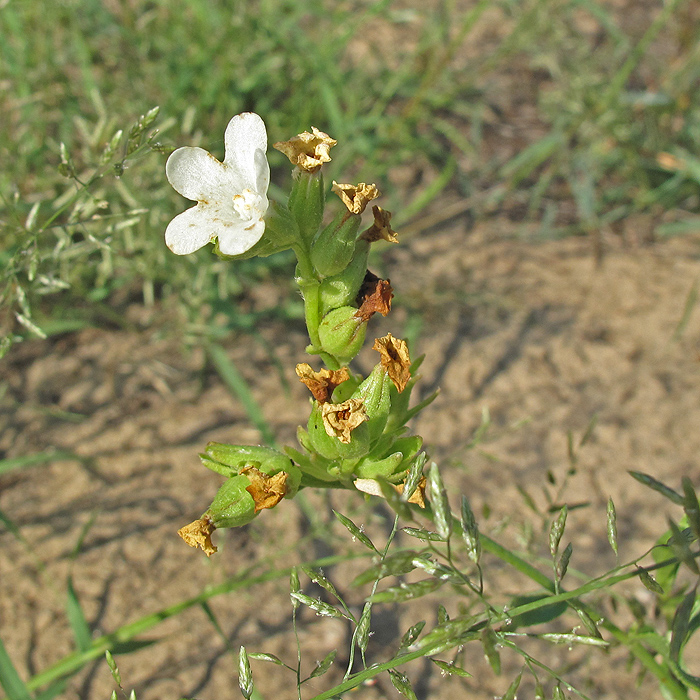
(306,202)
(233,505)
(342,333)
(333,248)
(374,393)
(342,289)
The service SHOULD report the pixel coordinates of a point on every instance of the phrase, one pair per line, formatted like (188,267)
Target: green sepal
(313,467)
(345,390)
(342,334)
(333,248)
(342,289)
(331,447)
(307,200)
(230,459)
(375,395)
(369,468)
(232,506)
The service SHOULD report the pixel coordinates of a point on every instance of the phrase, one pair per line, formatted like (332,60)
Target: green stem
(309,285)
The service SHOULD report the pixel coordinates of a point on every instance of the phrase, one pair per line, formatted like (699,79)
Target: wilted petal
(197,175)
(244,136)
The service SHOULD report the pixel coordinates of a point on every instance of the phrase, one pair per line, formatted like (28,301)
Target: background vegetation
(573,117)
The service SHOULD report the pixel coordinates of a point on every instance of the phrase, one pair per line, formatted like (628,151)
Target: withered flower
(375,297)
(394,359)
(321,383)
(356,197)
(340,419)
(198,534)
(418,496)
(372,487)
(267,491)
(308,151)
(381,229)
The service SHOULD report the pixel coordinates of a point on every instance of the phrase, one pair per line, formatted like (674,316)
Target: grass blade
(10,680)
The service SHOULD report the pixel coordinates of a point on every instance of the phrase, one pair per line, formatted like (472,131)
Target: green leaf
(489,641)
(691,506)
(664,490)
(513,688)
(546,613)
(679,545)
(9,678)
(680,625)
(355,531)
(76,619)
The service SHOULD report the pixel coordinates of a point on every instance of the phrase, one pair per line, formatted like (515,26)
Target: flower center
(247,204)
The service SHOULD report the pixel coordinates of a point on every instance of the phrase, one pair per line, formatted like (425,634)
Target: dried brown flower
(321,383)
(198,534)
(340,419)
(395,359)
(267,491)
(381,229)
(375,297)
(308,151)
(356,197)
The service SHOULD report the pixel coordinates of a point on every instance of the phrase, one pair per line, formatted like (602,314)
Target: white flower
(231,196)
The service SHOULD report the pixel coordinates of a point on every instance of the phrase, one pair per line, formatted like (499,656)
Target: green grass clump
(558,111)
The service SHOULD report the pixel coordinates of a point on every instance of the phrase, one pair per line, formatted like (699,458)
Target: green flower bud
(333,248)
(374,393)
(348,424)
(342,333)
(342,289)
(306,202)
(233,505)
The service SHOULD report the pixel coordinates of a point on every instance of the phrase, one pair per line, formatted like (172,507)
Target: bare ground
(536,334)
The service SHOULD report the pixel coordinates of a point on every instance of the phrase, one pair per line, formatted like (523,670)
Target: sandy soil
(533,333)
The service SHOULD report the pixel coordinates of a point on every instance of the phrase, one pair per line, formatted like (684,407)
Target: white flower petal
(245,135)
(197,175)
(262,173)
(240,236)
(190,231)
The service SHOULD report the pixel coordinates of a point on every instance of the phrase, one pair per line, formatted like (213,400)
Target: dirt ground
(532,332)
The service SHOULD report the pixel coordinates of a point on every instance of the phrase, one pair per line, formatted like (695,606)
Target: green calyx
(341,334)
(333,248)
(342,289)
(233,506)
(229,460)
(306,202)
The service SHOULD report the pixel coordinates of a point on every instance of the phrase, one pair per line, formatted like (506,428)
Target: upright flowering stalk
(355,436)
